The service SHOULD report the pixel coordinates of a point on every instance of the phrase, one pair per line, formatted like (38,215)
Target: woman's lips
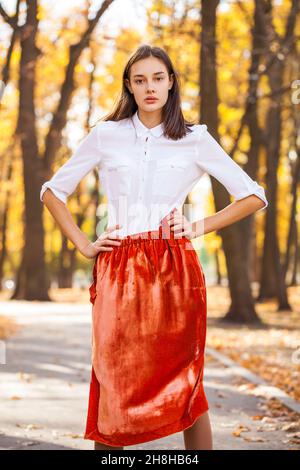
(150,100)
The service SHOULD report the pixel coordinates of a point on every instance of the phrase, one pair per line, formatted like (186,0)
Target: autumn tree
(32,281)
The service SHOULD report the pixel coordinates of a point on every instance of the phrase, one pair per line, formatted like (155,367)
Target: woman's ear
(127,83)
(171,80)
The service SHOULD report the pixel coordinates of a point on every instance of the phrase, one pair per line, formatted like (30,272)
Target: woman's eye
(140,80)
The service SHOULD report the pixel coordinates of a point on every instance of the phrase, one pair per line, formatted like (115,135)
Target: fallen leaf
(254,439)
(257,417)
(240,429)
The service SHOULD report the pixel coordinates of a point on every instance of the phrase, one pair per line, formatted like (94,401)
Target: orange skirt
(148,339)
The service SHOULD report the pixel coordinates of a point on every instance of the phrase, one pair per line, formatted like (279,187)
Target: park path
(45,382)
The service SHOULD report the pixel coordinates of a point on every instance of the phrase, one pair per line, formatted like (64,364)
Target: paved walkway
(45,382)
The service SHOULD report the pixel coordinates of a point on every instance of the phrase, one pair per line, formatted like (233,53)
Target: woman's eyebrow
(140,75)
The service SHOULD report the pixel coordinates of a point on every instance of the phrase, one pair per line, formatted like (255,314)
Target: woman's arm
(55,192)
(235,211)
(248,195)
(213,160)
(64,219)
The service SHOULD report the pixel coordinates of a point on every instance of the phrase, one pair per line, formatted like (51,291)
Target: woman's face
(149,77)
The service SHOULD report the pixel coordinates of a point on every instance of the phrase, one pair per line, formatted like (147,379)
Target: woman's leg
(99,446)
(199,435)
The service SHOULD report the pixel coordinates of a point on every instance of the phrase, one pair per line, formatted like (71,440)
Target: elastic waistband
(159,234)
(164,232)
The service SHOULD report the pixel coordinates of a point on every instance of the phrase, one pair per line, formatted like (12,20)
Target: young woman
(148,291)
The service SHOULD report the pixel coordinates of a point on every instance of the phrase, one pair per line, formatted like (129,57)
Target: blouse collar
(141,129)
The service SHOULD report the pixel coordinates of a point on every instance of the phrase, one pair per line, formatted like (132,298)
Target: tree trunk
(272,275)
(32,283)
(32,280)
(242,304)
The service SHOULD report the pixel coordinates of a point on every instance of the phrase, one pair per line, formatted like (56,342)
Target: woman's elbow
(260,203)
(43,196)
(49,197)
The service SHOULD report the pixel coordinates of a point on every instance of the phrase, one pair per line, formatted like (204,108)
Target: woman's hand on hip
(180,225)
(105,242)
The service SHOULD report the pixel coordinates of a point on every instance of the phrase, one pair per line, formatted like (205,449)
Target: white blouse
(144,174)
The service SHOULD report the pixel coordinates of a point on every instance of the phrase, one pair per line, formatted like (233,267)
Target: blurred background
(61,66)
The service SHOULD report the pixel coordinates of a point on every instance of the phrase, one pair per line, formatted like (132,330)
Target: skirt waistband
(164,232)
(148,235)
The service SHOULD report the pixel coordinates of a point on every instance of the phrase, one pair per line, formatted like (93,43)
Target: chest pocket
(168,177)
(118,179)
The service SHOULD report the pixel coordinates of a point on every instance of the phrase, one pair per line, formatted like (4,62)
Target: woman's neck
(150,120)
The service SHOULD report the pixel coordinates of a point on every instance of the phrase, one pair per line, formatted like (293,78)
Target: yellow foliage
(177,27)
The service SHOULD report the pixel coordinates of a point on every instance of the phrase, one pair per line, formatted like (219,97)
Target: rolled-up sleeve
(213,159)
(86,157)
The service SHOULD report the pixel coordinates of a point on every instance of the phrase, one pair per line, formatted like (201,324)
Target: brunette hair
(175,125)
